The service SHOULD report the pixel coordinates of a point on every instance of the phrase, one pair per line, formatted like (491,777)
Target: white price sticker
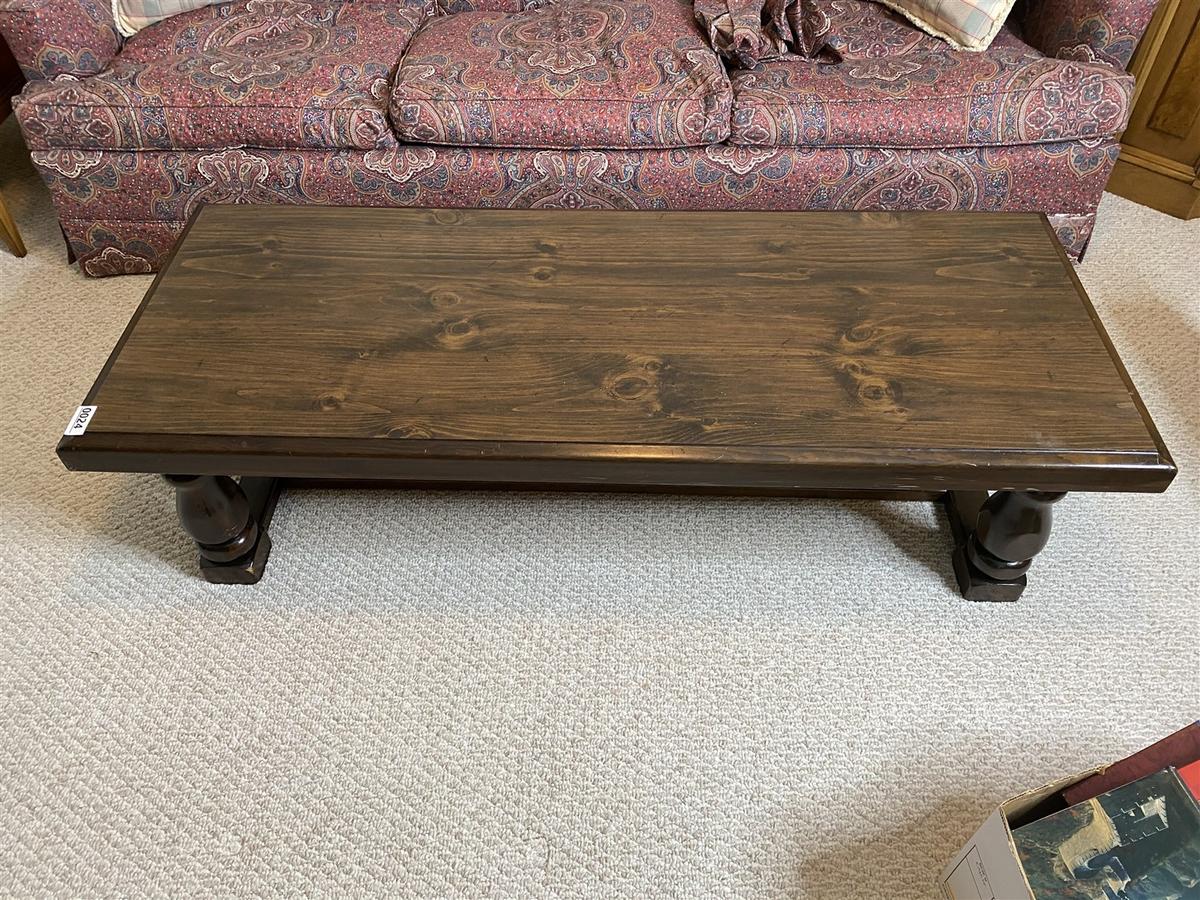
(79,421)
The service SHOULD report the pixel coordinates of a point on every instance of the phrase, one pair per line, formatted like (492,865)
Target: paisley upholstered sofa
(617,104)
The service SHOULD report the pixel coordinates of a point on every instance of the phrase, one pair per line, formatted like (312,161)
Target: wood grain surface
(825,341)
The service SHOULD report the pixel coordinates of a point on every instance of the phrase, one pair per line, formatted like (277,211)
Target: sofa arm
(1100,30)
(59,37)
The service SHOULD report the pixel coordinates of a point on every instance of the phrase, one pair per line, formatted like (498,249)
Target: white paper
(79,422)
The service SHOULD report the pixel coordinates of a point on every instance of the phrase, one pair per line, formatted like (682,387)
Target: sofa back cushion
(133,15)
(275,74)
(577,74)
(897,87)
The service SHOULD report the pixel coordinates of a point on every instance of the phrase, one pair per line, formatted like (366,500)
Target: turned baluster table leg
(996,539)
(228,522)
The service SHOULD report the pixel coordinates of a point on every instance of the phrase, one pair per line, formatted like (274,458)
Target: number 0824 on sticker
(80,421)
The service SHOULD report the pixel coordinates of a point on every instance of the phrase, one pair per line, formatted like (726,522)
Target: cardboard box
(988,867)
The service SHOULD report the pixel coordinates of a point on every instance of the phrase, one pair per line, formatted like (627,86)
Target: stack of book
(1127,831)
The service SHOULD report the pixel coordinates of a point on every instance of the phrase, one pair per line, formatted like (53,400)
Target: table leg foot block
(996,538)
(974,585)
(247,570)
(228,521)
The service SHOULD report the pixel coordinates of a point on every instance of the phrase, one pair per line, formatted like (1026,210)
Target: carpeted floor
(437,694)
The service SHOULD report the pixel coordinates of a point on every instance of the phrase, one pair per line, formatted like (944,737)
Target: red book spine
(1190,776)
(1177,750)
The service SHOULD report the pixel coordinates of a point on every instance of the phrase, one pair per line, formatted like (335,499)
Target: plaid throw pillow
(133,15)
(964,24)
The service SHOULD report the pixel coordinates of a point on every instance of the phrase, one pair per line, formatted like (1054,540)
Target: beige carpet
(437,694)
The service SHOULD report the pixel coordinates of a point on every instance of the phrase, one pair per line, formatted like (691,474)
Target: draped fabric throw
(748,32)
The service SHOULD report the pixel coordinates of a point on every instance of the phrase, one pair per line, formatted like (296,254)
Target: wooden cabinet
(1160,151)
(11,81)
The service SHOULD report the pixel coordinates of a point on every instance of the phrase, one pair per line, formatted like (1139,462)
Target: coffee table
(925,356)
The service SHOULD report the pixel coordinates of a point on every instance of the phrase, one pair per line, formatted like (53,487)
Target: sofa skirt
(122,211)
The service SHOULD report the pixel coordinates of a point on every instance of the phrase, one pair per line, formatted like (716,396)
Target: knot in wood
(638,380)
(409,430)
(331,400)
(870,389)
(441,298)
(860,334)
(630,387)
(458,333)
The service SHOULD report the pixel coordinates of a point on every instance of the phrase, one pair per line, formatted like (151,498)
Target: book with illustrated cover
(1139,841)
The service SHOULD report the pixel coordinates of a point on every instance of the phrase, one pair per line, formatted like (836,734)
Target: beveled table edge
(537,462)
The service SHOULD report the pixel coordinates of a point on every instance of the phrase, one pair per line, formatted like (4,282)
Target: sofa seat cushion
(578,73)
(259,73)
(898,87)
(454,7)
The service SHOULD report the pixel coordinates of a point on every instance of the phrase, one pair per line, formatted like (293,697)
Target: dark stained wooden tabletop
(844,350)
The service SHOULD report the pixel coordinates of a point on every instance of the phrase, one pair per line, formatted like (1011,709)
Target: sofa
(611,104)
